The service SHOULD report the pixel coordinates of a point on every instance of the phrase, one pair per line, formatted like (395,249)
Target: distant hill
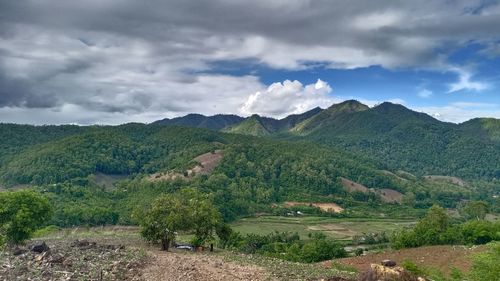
(216,122)
(397,137)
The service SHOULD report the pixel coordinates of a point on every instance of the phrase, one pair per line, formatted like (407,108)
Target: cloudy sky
(116,61)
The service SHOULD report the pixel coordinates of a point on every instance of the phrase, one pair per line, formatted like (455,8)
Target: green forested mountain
(216,122)
(393,135)
(253,174)
(14,138)
(253,126)
(403,139)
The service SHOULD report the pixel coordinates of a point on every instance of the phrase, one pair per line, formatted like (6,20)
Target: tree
(21,213)
(185,210)
(474,210)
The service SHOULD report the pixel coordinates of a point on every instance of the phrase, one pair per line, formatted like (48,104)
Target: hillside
(216,122)
(251,126)
(403,139)
(392,135)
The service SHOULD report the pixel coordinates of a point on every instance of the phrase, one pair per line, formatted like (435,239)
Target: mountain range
(396,136)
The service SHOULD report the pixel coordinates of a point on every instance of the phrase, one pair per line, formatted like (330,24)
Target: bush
(485,265)
(436,229)
(21,213)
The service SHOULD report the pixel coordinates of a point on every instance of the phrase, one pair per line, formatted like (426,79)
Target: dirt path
(189,266)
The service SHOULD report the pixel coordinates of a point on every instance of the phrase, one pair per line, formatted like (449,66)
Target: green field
(337,228)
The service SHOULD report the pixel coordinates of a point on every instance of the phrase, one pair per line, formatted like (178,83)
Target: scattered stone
(19,251)
(57,258)
(389,263)
(40,247)
(379,272)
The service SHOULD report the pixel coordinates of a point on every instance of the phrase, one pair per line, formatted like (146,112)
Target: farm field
(337,228)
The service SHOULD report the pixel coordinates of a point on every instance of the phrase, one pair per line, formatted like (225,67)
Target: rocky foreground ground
(83,259)
(120,254)
(75,260)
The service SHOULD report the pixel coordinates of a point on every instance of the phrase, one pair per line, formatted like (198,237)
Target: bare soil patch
(206,164)
(327,207)
(440,257)
(198,266)
(453,180)
(387,195)
(390,195)
(351,186)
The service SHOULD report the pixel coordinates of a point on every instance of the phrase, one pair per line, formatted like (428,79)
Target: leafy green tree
(185,210)
(21,213)
(474,210)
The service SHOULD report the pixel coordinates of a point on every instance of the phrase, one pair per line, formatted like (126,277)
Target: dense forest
(395,136)
(253,175)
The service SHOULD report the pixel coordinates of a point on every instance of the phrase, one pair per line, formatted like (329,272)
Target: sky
(119,61)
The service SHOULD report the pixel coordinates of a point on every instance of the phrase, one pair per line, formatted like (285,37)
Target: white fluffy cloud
(289,97)
(118,61)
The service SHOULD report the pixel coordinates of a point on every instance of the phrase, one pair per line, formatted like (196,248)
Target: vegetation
(436,228)
(287,246)
(185,210)
(21,213)
(393,135)
(485,265)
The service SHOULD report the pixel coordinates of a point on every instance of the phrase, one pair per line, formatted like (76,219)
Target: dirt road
(168,266)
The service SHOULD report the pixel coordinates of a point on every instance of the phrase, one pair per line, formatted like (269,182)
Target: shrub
(21,213)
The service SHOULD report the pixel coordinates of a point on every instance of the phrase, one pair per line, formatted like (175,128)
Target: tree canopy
(21,213)
(184,211)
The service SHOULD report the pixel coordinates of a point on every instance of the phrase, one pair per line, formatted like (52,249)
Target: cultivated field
(338,228)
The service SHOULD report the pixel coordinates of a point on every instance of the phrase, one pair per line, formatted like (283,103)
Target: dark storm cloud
(147,56)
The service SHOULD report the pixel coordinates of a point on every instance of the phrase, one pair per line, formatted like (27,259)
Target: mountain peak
(348,106)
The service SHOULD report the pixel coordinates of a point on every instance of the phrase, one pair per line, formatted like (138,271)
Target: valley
(282,194)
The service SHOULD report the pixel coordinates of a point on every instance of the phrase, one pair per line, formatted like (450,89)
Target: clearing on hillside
(106,180)
(326,207)
(452,180)
(206,164)
(390,195)
(351,186)
(386,194)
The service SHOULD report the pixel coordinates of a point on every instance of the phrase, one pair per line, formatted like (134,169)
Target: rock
(43,256)
(18,251)
(379,272)
(389,263)
(81,243)
(40,247)
(57,258)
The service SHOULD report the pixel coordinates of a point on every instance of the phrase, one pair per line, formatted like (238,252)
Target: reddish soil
(327,207)
(440,257)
